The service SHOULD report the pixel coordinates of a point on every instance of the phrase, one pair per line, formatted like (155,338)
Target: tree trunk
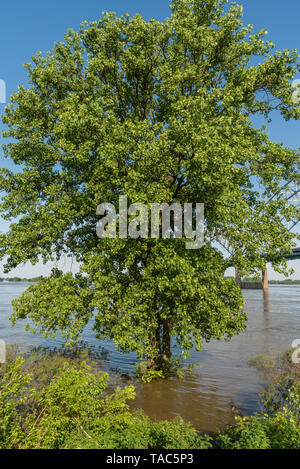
(160,344)
(153,360)
(166,344)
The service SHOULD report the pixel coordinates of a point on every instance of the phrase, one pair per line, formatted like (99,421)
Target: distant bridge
(295,255)
(264,284)
(290,257)
(290,191)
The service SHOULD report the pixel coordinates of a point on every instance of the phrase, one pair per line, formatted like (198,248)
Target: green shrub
(281,431)
(44,418)
(278,429)
(177,434)
(123,430)
(13,385)
(136,431)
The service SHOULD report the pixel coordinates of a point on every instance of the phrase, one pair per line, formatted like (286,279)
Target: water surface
(224,380)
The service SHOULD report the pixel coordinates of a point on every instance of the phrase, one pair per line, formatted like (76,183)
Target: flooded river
(222,379)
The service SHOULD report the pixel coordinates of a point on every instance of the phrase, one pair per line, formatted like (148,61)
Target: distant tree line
(19,279)
(272,282)
(275,282)
(284,282)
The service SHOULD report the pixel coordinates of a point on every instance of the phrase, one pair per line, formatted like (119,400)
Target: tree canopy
(159,112)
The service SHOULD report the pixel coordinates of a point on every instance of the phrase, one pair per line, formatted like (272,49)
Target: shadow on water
(224,380)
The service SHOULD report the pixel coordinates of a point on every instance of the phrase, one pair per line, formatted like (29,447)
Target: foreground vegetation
(63,400)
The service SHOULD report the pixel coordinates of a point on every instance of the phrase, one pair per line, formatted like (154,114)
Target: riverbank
(63,400)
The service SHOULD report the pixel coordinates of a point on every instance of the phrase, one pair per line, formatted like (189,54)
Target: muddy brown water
(222,379)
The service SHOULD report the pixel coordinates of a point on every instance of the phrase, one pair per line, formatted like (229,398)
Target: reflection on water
(224,379)
(267,308)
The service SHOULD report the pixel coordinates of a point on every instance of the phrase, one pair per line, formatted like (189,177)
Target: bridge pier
(265,281)
(238,278)
(263,285)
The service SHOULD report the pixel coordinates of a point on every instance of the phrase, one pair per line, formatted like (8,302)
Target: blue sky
(31,26)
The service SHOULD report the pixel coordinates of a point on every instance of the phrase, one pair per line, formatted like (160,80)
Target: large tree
(159,112)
